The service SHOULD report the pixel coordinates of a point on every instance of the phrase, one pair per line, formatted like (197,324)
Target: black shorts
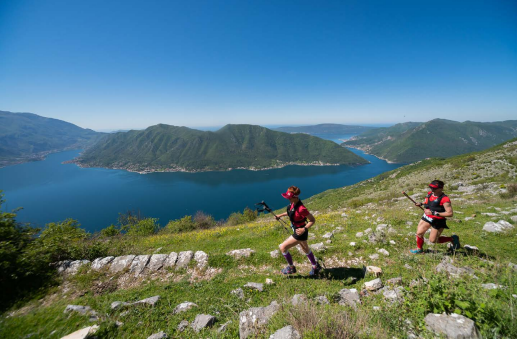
(302,237)
(436,223)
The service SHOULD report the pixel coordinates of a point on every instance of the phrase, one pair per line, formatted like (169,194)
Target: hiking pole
(266,208)
(414,202)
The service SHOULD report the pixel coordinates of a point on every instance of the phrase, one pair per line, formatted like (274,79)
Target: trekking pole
(414,202)
(266,208)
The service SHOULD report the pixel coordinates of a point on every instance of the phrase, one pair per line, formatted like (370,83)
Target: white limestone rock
(452,326)
(156,262)
(138,264)
(183,307)
(237,254)
(171,260)
(201,258)
(202,321)
(184,259)
(287,332)
(254,318)
(373,285)
(100,263)
(120,263)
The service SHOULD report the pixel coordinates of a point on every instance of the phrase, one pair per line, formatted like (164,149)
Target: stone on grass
(322,300)
(75,265)
(147,301)
(183,307)
(367,231)
(201,258)
(274,254)
(328,235)
(452,326)
(120,263)
(359,234)
(202,321)
(394,281)
(349,297)
(82,333)
(156,262)
(118,304)
(352,243)
(496,227)
(78,309)
(224,326)
(237,254)
(468,218)
(171,260)
(393,295)
(183,325)
(269,281)
(373,285)
(514,218)
(251,319)
(383,251)
(255,286)
(239,293)
(100,263)
(376,271)
(319,247)
(374,256)
(392,242)
(184,259)
(408,266)
(454,271)
(381,227)
(490,214)
(492,286)
(299,299)
(159,335)
(287,332)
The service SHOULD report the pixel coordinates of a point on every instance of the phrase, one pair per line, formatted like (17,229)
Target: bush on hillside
(511,191)
(110,231)
(147,226)
(203,221)
(185,224)
(241,218)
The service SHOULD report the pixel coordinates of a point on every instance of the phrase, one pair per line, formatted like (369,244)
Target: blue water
(50,191)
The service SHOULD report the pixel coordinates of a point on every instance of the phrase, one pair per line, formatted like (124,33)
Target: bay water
(50,191)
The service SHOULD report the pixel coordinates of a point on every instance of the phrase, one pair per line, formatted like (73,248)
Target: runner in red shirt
(298,214)
(437,208)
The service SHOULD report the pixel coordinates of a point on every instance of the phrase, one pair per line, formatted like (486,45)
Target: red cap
(289,195)
(433,186)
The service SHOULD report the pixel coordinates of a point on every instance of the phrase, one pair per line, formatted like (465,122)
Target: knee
(282,248)
(433,240)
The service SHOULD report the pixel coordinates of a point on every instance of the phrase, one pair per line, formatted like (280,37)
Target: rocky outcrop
(202,321)
(349,297)
(255,317)
(287,332)
(496,227)
(242,253)
(452,326)
(184,259)
(120,263)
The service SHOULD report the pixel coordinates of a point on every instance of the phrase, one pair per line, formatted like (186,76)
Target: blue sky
(130,64)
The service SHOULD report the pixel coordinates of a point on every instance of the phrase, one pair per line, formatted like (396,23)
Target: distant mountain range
(413,141)
(171,148)
(27,137)
(325,129)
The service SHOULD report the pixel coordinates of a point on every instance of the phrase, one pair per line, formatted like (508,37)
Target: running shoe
(289,270)
(455,242)
(417,251)
(315,270)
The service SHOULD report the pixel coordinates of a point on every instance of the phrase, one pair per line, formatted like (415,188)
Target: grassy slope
(24,134)
(232,146)
(365,202)
(435,138)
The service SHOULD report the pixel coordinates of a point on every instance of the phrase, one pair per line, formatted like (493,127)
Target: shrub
(203,221)
(185,224)
(60,241)
(240,218)
(147,226)
(110,231)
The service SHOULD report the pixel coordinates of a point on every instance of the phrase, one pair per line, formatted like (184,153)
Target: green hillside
(411,142)
(168,148)
(27,136)
(366,224)
(325,129)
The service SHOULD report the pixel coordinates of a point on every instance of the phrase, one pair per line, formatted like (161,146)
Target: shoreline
(366,152)
(184,170)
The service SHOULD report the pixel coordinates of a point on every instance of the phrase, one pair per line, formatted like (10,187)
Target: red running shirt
(300,214)
(433,198)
